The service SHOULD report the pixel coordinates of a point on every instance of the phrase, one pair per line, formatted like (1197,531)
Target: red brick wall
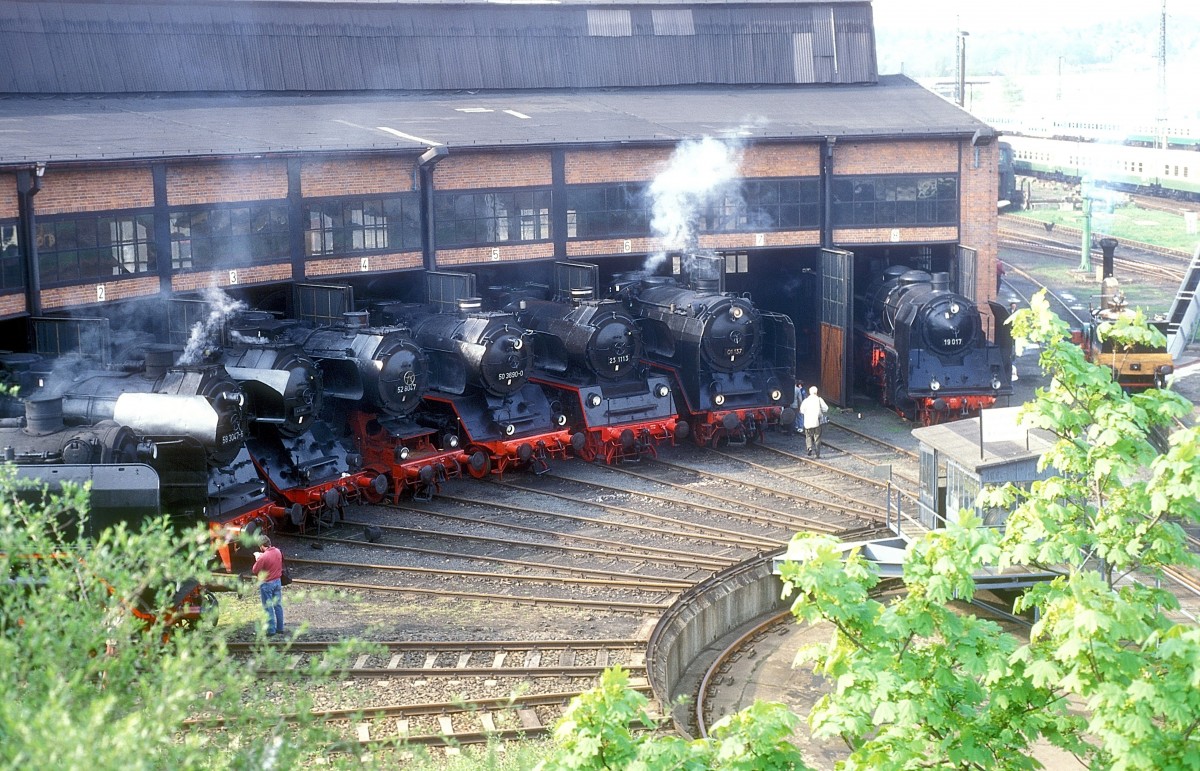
(12,305)
(484,254)
(620,165)
(357,176)
(849,237)
(782,160)
(895,157)
(978,189)
(225,181)
(490,170)
(8,196)
(189,282)
(81,295)
(377,262)
(69,191)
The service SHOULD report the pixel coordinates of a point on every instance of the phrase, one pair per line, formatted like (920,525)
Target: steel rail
(634,582)
(795,498)
(515,598)
(708,532)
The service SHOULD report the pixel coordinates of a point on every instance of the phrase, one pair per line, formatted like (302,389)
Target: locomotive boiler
(160,402)
(733,364)
(43,437)
(924,352)
(283,385)
(480,364)
(381,367)
(588,357)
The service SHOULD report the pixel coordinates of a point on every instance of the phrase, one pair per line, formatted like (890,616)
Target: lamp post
(1085,252)
(962,67)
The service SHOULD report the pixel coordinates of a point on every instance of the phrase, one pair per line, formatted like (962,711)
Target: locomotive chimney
(356,319)
(44,415)
(582,294)
(940,281)
(1109,247)
(159,358)
(704,272)
(470,304)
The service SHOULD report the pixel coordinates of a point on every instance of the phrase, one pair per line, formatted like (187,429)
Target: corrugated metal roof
(147,47)
(63,129)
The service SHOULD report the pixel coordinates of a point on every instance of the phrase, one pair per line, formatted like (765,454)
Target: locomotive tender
(733,364)
(923,350)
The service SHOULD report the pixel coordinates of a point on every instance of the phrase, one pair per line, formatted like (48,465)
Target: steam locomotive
(732,364)
(376,377)
(479,392)
(188,423)
(587,356)
(923,351)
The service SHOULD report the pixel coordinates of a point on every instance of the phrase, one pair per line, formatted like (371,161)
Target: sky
(1043,50)
(976,15)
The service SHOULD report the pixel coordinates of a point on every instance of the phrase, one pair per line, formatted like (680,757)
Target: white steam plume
(699,174)
(205,333)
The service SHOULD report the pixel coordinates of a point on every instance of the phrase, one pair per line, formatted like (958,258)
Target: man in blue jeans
(269,565)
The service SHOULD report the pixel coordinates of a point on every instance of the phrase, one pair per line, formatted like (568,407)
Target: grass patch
(1131,223)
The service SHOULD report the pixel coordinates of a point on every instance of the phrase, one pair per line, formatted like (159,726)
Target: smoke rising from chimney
(207,333)
(700,174)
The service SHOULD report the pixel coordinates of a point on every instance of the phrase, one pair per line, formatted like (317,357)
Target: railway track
(1064,242)
(476,658)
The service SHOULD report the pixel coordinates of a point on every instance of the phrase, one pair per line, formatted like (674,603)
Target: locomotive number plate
(515,374)
(952,341)
(618,359)
(734,351)
(232,437)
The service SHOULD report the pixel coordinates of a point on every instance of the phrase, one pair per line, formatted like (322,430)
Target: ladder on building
(1185,311)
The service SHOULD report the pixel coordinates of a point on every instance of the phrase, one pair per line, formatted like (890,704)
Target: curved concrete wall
(684,641)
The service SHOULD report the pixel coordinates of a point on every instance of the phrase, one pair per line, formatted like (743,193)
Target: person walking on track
(813,411)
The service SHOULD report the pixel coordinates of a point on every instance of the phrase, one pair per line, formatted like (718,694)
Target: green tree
(87,685)
(609,728)
(1105,673)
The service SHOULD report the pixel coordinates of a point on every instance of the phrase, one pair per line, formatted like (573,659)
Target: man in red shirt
(269,565)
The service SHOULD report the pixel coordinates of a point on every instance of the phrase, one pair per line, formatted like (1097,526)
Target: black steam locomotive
(733,364)
(588,357)
(480,363)
(377,377)
(923,350)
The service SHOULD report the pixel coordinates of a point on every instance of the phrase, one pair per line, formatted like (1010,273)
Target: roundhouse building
(155,149)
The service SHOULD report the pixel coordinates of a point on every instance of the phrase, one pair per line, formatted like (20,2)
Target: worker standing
(813,412)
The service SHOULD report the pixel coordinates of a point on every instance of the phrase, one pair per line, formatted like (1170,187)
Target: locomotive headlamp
(450,441)
(736,313)
(517,343)
(934,385)
(776,395)
(661,391)
(954,309)
(402,454)
(378,364)
(147,450)
(509,429)
(560,420)
(995,383)
(719,399)
(594,400)
(234,397)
